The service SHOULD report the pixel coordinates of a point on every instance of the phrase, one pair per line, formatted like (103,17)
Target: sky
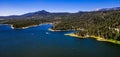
(19,7)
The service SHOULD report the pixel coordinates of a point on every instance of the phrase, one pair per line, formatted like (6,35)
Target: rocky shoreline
(24,27)
(28,26)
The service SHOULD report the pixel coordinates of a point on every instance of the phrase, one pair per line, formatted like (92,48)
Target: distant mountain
(27,15)
(107,9)
(43,12)
(47,15)
(37,15)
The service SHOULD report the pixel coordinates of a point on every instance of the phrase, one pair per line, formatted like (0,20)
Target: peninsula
(104,25)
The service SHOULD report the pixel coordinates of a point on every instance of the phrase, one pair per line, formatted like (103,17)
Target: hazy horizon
(19,7)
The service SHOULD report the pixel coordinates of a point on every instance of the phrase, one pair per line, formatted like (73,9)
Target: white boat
(47,33)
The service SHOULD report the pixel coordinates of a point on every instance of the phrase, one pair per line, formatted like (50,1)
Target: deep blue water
(39,42)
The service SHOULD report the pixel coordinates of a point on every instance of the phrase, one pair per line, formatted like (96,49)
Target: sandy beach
(95,37)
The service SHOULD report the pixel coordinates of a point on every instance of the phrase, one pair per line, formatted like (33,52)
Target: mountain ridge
(45,14)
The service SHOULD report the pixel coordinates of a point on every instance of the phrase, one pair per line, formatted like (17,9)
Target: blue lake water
(39,42)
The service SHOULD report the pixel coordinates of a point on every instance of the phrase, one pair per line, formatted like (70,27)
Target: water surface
(39,42)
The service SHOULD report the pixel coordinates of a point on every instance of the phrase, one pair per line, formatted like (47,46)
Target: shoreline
(24,27)
(60,30)
(28,26)
(56,30)
(95,37)
(71,34)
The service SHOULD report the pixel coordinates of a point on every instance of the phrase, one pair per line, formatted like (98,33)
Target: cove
(40,42)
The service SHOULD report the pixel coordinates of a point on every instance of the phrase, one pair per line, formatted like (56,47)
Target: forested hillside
(105,23)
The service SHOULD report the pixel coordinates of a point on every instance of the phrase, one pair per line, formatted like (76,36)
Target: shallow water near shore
(40,42)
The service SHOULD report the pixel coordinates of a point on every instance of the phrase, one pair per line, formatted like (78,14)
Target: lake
(40,42)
